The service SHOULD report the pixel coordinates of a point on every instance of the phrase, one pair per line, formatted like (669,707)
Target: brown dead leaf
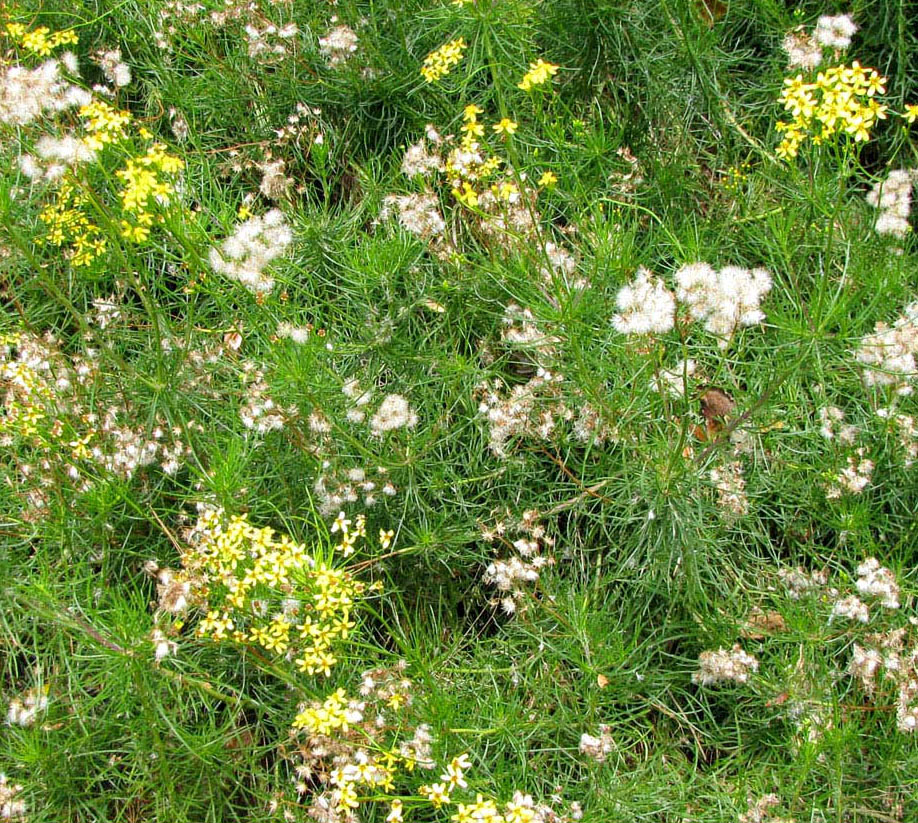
(760,624)
(716,404)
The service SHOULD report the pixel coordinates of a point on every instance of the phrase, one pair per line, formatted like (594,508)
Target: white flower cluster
(589,427)
(800,582)
(887,653)
(24,710)
(597,747)
(513,575)
(562,264)
(10,807)
(878,581)
(906,430)
(417,213)
(274,182)
(674,381)
(336,486)
(296,334)
(338,45)
(851,608)
(835,32)
(854,478)
(418,748)
(269,41)
(245,255)
(803,52)
(888,354)
(54,156)
(26,94)
(731,488)
(645,306)
(724,665)
(163,647)
(725,299)
(892,197)
(418,160)
(393,413)
(832,420)
(528,410)
(259,412)
(173,589)
(116,72)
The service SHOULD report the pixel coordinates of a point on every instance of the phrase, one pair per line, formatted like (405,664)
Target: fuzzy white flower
(245,255)
(393,413)
(26,94)
(338,45)
(724,300)
(803,52)
(888,354)
(24,710)
(645,306)
(852,608)
(892,197)
(835,32)
(11,808)
(724,665)
(597,747)
(417,213)
(878,581)
(418,161)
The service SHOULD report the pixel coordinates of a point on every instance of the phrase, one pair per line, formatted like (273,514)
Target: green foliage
(656,527)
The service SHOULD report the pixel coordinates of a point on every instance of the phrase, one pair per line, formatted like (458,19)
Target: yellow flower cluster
(841,101)
(440,62)
(325,718)
(145,182)
(736,177)
(41,41)
(467,165)
(67,224)
(484,810)
(104,124)
(539,73)
(268,591)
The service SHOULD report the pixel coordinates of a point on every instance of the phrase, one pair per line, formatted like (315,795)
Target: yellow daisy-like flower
(547,180)
(539,72)
(911,113)
(505,126)
(440,62)
(471,112)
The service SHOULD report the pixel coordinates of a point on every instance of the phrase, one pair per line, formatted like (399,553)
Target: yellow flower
(911,113)
(505,126)
(471,112)
(385,538)
(473,129)
(341,523)
(547,180)
(539,72)
(439,63)
(437,793)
